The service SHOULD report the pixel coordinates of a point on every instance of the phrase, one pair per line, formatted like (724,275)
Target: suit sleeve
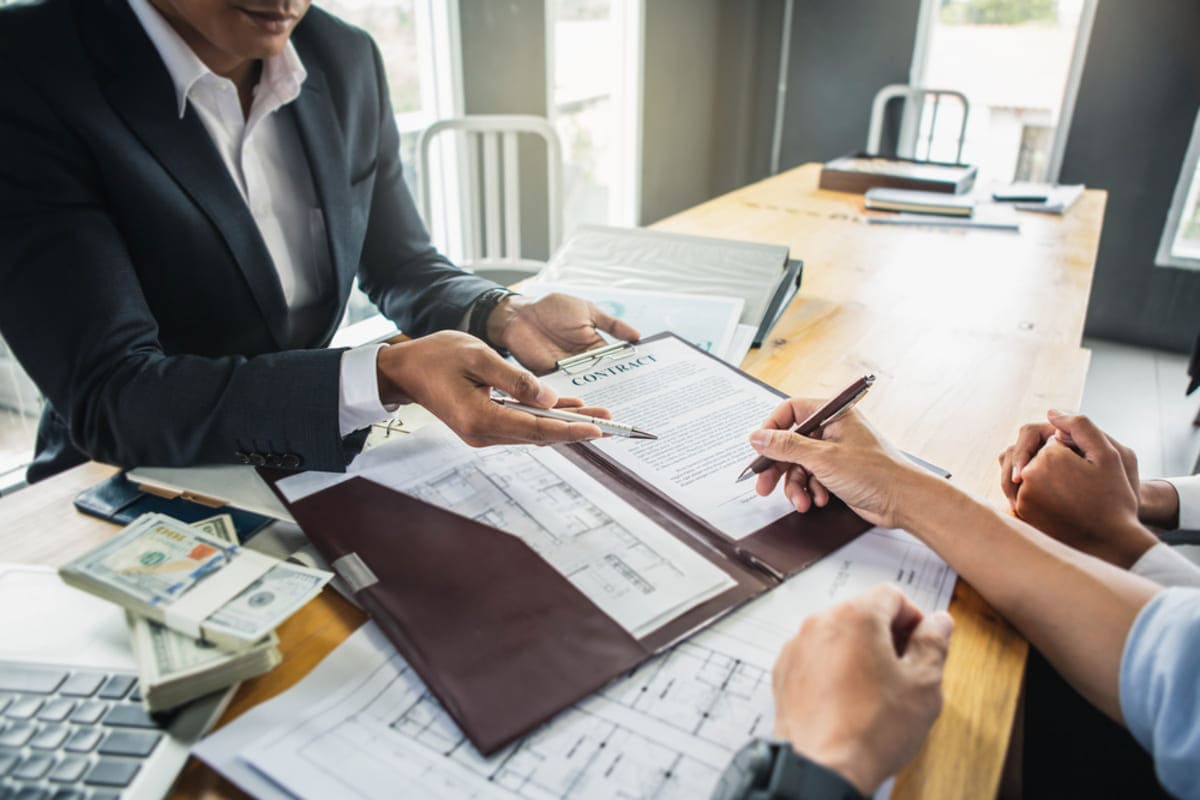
(401,271)
(73,312)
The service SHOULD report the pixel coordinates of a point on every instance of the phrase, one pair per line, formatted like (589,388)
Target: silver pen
(605,425)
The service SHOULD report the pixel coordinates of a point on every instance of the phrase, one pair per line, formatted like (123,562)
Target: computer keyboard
(69,734)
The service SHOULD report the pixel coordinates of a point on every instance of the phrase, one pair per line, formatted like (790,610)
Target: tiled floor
(1137,396)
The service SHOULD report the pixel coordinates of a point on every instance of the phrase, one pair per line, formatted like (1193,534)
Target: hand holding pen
(843,402)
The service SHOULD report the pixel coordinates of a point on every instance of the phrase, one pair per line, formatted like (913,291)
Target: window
(1018,62)
(594,66)
(1180,243)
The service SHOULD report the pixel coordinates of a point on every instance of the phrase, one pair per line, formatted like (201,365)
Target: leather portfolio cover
(501,638)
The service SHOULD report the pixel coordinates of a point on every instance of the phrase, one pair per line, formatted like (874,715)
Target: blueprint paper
(362,725)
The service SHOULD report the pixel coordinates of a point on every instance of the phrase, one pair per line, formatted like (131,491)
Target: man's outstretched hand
(542,331)
(452,374)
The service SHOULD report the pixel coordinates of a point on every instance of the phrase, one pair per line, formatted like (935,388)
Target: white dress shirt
(266,160)
(1164,564)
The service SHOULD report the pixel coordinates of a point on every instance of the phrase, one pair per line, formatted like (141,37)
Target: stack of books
(862,172)
(938,209)
(881,199)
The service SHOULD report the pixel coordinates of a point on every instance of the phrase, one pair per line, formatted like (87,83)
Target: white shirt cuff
(1188,490)
(1166,567)
(358,390)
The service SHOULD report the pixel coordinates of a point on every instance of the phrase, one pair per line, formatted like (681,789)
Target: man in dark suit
(188,190)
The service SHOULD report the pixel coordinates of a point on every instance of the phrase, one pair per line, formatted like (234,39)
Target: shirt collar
(282,75)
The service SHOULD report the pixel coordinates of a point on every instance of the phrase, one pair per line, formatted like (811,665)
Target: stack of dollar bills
(152,565)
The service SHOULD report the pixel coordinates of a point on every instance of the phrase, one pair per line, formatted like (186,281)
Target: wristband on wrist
(481,310)
(771,770)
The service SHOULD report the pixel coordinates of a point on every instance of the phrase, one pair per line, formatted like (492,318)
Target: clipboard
(502,639)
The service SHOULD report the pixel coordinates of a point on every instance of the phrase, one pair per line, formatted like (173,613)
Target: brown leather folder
(498,635)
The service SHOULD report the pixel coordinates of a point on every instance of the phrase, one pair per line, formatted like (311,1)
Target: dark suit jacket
(134,286)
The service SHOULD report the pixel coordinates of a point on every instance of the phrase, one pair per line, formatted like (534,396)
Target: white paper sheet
(706,321)
(703,414)
(631,568)
(362,725)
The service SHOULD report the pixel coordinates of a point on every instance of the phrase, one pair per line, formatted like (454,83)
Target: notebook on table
(518,580)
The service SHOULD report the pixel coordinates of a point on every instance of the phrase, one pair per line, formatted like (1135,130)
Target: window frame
(1187,188)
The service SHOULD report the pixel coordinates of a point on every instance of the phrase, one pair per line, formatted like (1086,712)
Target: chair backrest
(492,235)
(914,105)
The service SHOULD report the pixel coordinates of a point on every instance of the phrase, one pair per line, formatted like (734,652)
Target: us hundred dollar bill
(174,668)
(156,561)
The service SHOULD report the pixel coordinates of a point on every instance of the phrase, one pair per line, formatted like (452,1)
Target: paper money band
(188,612)
(355,572)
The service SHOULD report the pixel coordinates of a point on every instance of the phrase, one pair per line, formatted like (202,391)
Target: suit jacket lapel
(141,91)
(325,147)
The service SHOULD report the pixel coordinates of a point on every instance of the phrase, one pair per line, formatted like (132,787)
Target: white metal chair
(914,105)
(491,243)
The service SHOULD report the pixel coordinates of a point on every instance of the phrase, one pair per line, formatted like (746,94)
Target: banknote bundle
(174,668)
(202,610)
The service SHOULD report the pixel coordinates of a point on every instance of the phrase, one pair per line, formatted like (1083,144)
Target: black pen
(817,420)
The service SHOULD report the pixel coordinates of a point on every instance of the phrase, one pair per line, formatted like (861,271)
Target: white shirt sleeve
(1188,490)
(1167,567)
(358,391)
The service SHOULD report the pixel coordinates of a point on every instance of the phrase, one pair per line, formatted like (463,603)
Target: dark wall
(1137,103)
(679,104)
(504,72)
(842,53)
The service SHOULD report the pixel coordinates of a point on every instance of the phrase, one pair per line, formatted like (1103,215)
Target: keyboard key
(105,796)
(69,770)
(89,712)
(24,708)
(72,794)
(8,760)
(50,737)
(129,716)
(32,793)
(112,772)
(56,710)
(35,680)
(17,734)
(117,686)
(33,767)
(84,740)
(5,699)
(129,743)
(81,684)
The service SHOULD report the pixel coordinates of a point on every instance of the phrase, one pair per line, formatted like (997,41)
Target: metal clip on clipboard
(573,365)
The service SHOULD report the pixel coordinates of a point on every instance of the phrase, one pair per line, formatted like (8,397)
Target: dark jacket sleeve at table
(134,286)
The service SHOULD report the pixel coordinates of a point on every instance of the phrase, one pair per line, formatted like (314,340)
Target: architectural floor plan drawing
(363,725)
(631,568)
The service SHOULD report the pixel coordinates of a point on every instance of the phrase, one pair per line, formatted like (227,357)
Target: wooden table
(971,333)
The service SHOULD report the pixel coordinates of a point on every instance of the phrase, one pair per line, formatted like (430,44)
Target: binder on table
(636,258)
(499,636)
(858,173)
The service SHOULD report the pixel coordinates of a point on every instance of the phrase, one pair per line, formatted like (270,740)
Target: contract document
(363,725)
(703,413)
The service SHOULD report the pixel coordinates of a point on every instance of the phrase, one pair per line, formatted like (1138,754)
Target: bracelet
(481,310)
